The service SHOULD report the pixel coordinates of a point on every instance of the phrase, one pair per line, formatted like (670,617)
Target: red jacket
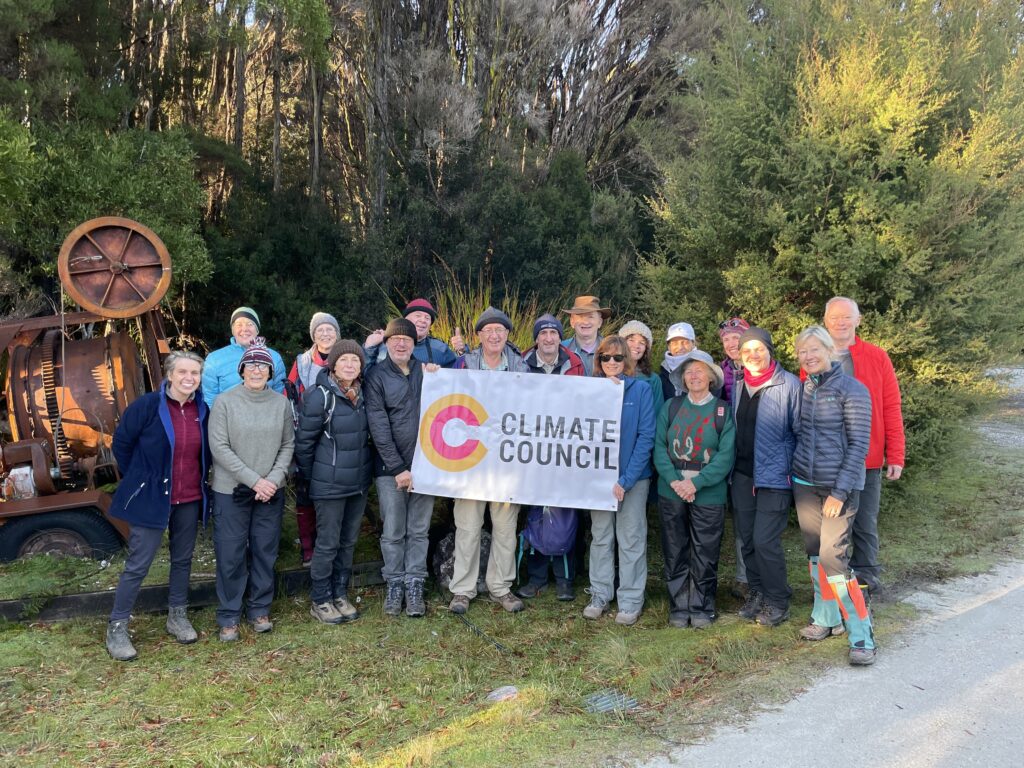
(873,368)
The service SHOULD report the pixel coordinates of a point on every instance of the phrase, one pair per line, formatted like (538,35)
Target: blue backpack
(550,531)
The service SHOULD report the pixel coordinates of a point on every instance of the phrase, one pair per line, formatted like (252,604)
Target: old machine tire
(114,267)
(78,533)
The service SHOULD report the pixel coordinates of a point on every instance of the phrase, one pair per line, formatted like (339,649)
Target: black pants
(537,565)
(761,518)
(691,540)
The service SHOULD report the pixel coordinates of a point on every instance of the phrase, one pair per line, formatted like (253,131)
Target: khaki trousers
(501,566)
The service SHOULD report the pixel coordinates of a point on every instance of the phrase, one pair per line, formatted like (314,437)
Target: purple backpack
(550,530)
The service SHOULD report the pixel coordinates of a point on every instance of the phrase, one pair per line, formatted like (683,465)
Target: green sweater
(252,436)
(692,437)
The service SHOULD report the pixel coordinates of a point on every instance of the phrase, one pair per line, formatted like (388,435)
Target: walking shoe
(509,602)
(752,607)
(345,608)
(595,610)
(679,622)
(531,589)
(179,626)
(325,612)
(815,632)
(862,657)
(740,590)
(564,591)
(772,615)
(119,645)
(459,604)
(228,634)
(393,598)
(701,620)
(261,624)
(627,618)
(415,605)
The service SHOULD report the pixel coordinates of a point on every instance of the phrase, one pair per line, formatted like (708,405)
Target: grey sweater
(252,436)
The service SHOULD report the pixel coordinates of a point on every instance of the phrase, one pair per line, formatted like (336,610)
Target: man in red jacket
(871,366)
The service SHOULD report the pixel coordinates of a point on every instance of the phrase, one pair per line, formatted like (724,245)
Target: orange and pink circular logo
(452,458)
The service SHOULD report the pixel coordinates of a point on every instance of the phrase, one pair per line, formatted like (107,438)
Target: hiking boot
(862,657)
(228,634)
(119,645)
(325,612)
(595,610)
(679,622)
(415,605)
(509,602)
(393,598)
(179,626)
(752,607)
(345,608)
(740,590)
(815,632)
(564,591)
(701,620)
(261,624)
(459,604)
(772,615)
(627,618)
(531,589)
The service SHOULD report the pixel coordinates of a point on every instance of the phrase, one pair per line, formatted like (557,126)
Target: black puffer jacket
(393,409)
(834,432)
(336,458)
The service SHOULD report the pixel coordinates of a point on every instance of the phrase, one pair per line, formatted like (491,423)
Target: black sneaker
(772,615)
(752,607)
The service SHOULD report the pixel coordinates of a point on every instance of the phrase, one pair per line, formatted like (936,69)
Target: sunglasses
(611,358)
(732,322)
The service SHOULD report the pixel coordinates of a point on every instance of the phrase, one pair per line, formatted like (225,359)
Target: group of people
(698,438)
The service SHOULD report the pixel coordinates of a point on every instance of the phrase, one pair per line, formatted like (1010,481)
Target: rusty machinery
(69,377)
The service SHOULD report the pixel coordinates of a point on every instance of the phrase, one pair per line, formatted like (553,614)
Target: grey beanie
(492,315)
(319,318)
(753,333)
(635,326)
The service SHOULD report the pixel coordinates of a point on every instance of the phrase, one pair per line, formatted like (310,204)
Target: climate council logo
(452,458)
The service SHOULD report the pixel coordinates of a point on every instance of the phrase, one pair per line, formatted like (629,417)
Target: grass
(406,692)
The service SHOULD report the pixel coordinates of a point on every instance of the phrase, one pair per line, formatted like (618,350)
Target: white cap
(681,330)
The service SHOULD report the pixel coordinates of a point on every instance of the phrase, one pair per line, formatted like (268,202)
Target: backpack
(550,531)
(720,407)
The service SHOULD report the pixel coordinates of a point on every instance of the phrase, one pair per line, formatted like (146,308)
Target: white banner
(527,438)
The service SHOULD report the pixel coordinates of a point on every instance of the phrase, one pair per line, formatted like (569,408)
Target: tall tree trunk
(276,145)
(316,96)
(240,61)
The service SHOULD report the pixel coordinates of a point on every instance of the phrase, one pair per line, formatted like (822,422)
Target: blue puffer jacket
(778,417)
(220,372)
(143,445)
(835,429)
(636,442)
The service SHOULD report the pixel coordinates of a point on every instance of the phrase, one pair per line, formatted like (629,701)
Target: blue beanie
(547,321)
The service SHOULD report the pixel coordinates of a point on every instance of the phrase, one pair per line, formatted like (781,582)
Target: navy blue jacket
(834,433)
(778,417)
(335,458)
(144,448)
(636,443)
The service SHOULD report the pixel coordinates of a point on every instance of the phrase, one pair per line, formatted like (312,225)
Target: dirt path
(947,692)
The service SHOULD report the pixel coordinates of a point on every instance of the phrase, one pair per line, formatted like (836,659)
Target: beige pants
(501,566)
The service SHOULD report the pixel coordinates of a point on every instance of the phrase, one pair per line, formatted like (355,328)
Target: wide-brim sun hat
(700,356)
(583,304)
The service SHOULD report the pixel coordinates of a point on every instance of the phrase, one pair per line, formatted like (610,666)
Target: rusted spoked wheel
(114,267)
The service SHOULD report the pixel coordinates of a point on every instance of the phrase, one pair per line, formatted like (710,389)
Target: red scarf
(757,381)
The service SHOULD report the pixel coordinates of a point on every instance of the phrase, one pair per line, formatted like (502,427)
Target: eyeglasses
(257,367)
(611,358)
(325,331)
(494,331)
(732,322)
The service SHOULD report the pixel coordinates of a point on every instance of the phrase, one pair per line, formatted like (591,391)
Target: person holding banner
(623,532)
(393,409)
(549,356)
(693,454)
(493,353)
